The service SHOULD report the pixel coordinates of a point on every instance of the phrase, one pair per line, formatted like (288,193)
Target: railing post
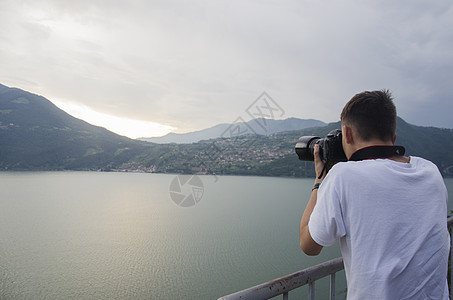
(311,290)
(332,286)
(285,296)
(450,257)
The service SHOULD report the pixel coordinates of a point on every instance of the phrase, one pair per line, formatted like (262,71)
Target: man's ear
(394,139)
(347,132)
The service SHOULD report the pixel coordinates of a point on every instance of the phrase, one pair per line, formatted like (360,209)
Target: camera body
(330,147)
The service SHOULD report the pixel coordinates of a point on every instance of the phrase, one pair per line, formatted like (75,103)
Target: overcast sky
(188,65)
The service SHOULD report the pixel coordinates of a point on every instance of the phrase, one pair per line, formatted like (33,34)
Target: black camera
(330,147)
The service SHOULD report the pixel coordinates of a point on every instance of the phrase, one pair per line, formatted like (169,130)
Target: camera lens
(305,147)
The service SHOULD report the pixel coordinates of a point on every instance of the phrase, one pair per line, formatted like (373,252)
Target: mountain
(255,126)
(35,134)
(432,143)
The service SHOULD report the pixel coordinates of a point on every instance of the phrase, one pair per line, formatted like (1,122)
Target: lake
(89,235)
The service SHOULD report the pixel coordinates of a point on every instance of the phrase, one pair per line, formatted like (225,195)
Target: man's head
(372,118)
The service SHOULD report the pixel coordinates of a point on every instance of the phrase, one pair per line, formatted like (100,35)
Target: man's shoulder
(346,166)
(345,171)
(418,162)
(416,159)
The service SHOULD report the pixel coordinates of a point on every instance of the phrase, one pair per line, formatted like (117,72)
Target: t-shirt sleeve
(326,223)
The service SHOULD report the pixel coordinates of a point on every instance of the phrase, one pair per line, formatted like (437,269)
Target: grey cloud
(192,64)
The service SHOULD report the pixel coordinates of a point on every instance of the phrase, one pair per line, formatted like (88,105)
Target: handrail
(289,282)
(282,285)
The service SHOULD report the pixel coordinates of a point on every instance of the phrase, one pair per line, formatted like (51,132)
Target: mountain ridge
(35,133)
(256,126)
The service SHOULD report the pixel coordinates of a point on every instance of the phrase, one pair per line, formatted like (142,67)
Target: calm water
(86,235)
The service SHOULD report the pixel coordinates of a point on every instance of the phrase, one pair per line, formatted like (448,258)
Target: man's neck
(361,144)
(402,159)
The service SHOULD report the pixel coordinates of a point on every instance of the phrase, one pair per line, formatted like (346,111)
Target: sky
(150,67)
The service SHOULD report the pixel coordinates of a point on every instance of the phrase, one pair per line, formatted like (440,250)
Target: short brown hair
(373,115)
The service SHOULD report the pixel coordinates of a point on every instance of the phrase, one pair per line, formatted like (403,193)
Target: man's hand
(319,165)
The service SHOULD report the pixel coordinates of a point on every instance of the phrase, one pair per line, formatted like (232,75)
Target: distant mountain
(256,126)
(35,134)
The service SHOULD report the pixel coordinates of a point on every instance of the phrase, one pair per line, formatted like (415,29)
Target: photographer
(388,211)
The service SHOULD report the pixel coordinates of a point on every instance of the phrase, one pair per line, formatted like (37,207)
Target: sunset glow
(122,126)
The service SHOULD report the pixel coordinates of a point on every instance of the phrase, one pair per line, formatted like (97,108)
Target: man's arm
(307,244)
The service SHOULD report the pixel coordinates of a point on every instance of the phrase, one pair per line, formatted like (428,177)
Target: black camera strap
(375,152)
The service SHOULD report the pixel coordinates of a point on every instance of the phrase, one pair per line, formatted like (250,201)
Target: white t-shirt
(390,218)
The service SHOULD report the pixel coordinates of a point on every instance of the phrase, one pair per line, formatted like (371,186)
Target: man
(389,211)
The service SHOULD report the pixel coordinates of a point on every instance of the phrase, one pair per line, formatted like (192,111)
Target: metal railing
(285,284)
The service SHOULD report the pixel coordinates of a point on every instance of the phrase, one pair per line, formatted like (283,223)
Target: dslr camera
(330,147)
